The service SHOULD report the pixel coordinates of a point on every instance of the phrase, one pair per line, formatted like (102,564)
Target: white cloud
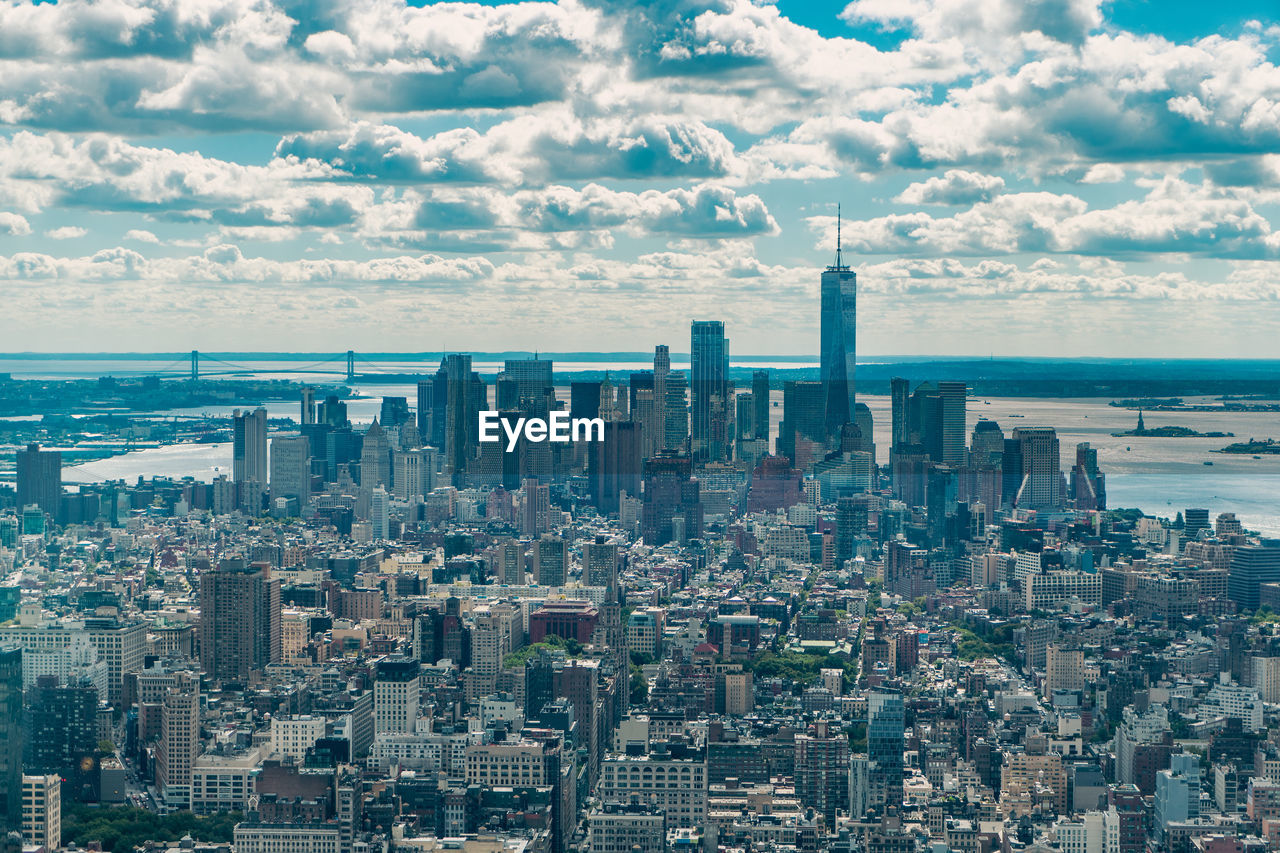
(66,232)
(14,224)
(955,187)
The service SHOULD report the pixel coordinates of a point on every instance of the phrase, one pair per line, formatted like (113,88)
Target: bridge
(208,367)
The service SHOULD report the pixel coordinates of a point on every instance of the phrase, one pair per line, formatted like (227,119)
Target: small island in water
(1141,431)
(1254,447)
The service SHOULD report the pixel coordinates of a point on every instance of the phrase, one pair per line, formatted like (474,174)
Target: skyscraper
(529,378)
(661,370)
(1252,566)
(600,563)
(39,479)
(308,405)
(676,426)
(380,513)
(62,734)
(239,619)
(1041,486)
(760,402)
(613,465)
(179,744)
(802,431)
(249,448)
(671,508)
(886,721)
(552,560)
(425,390)
(822,770)
(11,738)
(954,396)
(709,353)
(375,458)
(899,395)
(465,395)
(291,468)
(838,320)
(395,694)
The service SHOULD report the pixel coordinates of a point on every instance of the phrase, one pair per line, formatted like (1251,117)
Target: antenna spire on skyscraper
(838,260)
(838,266)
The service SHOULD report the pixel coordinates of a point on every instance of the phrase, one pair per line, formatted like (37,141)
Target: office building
(396,687)
(249,448)
(1177,798)
(709,387)
(62,735)
(899,395)
(179,743)
(12,737)
(1252,566)
(886,721)
(42,811)
(671,508)
(291,469)
(613,465)
(600,563)
(633,827)
(551,560)
(1041,485)
(308,406)
(821,770)
(954,396)
(760,403)
(39,479)
(239,620)
(671,777)
(839,322)
(802,436)
(375,458)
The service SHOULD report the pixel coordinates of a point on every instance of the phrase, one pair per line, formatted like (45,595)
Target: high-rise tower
(709,354)
(839,313)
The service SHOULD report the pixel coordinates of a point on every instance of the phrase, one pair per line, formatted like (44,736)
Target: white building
(1226,699)
(293,736)
(42,811)
(224,783)
(678,786)
(287,838)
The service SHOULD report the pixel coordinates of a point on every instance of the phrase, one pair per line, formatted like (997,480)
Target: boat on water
(1208,462)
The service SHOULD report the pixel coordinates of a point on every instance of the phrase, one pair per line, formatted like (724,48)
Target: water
(330,371)
(1162,476)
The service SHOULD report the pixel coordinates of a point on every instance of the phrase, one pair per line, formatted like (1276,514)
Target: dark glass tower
(709,353)
(11,737)
(886,722)
(839,317)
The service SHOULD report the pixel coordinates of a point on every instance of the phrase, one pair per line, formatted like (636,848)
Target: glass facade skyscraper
(886,722)
(709,354)
(839,315)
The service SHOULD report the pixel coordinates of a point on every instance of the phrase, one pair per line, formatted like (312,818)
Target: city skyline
(1077,179)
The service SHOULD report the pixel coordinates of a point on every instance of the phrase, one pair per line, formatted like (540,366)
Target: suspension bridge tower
(195,365)
(351,366)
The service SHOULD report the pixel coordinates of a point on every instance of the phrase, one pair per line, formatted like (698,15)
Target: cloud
(141,236)
(13,224)
(982,21)
(533,149)
(66,232)
(1173,219)
(706,210)
(956,187)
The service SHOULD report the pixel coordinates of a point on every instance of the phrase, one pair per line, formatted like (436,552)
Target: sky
(1015,177)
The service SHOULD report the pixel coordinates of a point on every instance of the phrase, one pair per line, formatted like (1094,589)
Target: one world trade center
(839,328)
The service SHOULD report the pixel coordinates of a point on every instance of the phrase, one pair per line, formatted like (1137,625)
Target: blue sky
(1063,177)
